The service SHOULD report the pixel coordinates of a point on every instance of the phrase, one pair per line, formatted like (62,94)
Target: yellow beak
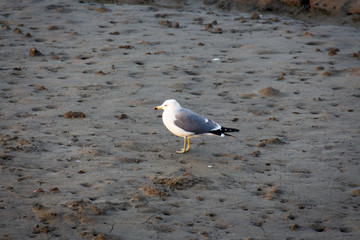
(158,107)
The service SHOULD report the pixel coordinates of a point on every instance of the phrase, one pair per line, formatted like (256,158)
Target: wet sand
(84,156)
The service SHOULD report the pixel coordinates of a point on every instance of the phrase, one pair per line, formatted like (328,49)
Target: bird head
(168,104)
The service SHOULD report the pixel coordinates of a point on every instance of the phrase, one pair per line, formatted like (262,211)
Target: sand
(84,155)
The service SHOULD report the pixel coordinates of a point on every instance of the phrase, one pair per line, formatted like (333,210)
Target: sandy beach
(84,155)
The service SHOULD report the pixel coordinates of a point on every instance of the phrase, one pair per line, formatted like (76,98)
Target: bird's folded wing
(193,122)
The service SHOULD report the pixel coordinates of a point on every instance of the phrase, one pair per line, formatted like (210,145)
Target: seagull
(185,123)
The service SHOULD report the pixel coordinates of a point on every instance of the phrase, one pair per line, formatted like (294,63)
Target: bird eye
(165,105)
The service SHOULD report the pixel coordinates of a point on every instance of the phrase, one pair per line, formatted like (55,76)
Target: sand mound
(270,92)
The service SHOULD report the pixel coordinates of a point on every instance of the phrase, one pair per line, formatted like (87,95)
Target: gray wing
(193,122)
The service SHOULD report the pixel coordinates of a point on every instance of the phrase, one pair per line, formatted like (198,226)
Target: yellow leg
(185,149)
(188,145)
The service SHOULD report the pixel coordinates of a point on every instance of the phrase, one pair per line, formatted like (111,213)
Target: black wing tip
(223,129)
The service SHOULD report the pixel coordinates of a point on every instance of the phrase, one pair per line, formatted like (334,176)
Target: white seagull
(185,123)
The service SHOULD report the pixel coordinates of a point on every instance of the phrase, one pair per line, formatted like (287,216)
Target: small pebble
(199,198)
(254,16)
(308,34)
(74,115)
(208,26)
(176,25)
(17,31)
(5,27)
(326,74)
(217,30)
(102,10)
(333,51)
(54,190)
(294,227)
(35,53)
(123,116)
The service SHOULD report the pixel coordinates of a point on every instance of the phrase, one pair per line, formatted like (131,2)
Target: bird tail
(224,131)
